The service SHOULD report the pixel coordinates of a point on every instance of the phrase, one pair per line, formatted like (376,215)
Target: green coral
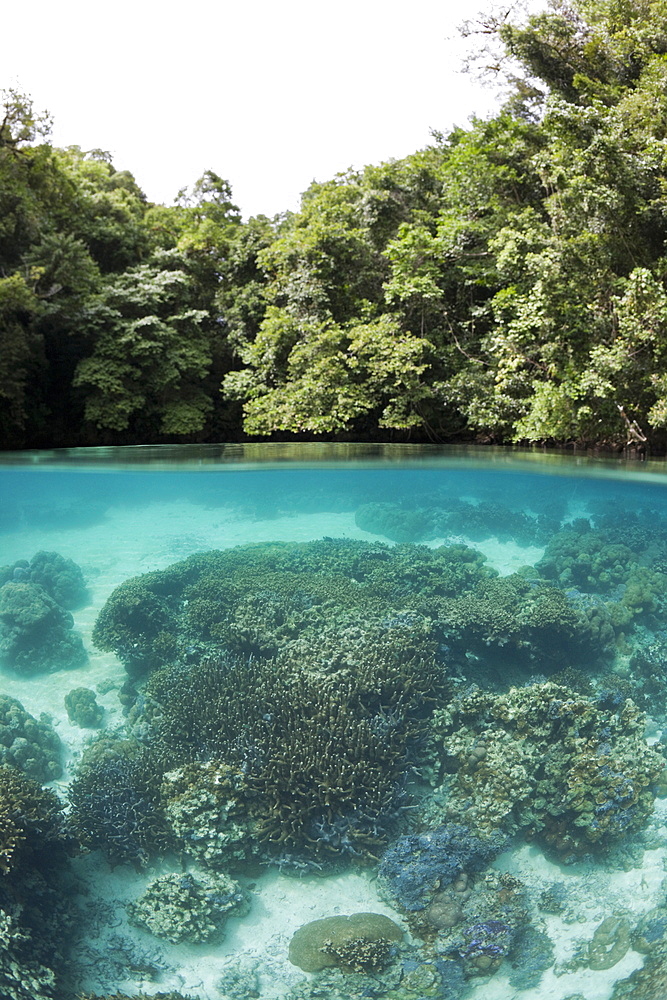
(540,759)
(36,632)
(360,942)
(186,908)
(82,708)
(28,744)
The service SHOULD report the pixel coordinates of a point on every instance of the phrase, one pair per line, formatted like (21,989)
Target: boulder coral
(361,942)
(28,744)
(36,632)
(187,908)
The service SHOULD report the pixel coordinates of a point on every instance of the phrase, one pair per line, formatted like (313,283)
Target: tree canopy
(506,283)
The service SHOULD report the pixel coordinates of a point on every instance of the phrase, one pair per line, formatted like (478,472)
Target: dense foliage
(507,283)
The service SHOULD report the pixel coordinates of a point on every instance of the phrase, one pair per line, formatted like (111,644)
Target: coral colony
(316,707)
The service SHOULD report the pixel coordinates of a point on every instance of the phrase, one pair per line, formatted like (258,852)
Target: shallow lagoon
(535,610)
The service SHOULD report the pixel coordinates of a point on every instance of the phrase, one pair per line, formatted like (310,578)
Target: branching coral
(319,772)
(115,798)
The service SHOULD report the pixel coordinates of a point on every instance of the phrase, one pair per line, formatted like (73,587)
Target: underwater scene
(356,730)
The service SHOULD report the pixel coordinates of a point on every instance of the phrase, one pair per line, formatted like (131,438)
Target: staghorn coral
(563,767)
(181,907)
(36,632)
(25,743)
(323,760)
(115,800)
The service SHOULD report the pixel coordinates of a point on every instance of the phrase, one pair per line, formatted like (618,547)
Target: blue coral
(418,865)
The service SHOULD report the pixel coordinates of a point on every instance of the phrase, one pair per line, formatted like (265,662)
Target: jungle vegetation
(507,283)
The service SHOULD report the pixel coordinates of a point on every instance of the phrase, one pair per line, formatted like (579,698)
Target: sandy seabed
(134,540)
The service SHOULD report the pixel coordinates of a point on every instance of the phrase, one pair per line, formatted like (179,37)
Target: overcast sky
(269,94)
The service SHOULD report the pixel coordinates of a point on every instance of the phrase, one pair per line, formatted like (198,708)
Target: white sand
(136,540)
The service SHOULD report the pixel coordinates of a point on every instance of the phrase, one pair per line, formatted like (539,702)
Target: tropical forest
(505,284)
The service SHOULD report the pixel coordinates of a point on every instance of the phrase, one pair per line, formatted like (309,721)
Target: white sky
(270,95)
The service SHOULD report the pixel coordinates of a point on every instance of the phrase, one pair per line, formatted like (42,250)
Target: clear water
(514,801)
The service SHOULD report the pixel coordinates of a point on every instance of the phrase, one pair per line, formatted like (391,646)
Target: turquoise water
(264,687)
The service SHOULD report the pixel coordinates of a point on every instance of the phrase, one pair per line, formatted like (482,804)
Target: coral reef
(172,995)
(360,942)
(34,903)
(323,760)
(82,708)
(181,907)
(417,866)
(28,744)
(392,521)
(532,955)
(115,799)
(566,768)
(253,599)
(205,810)
(61,578)
(36,632)
(646,983)
(30,819)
